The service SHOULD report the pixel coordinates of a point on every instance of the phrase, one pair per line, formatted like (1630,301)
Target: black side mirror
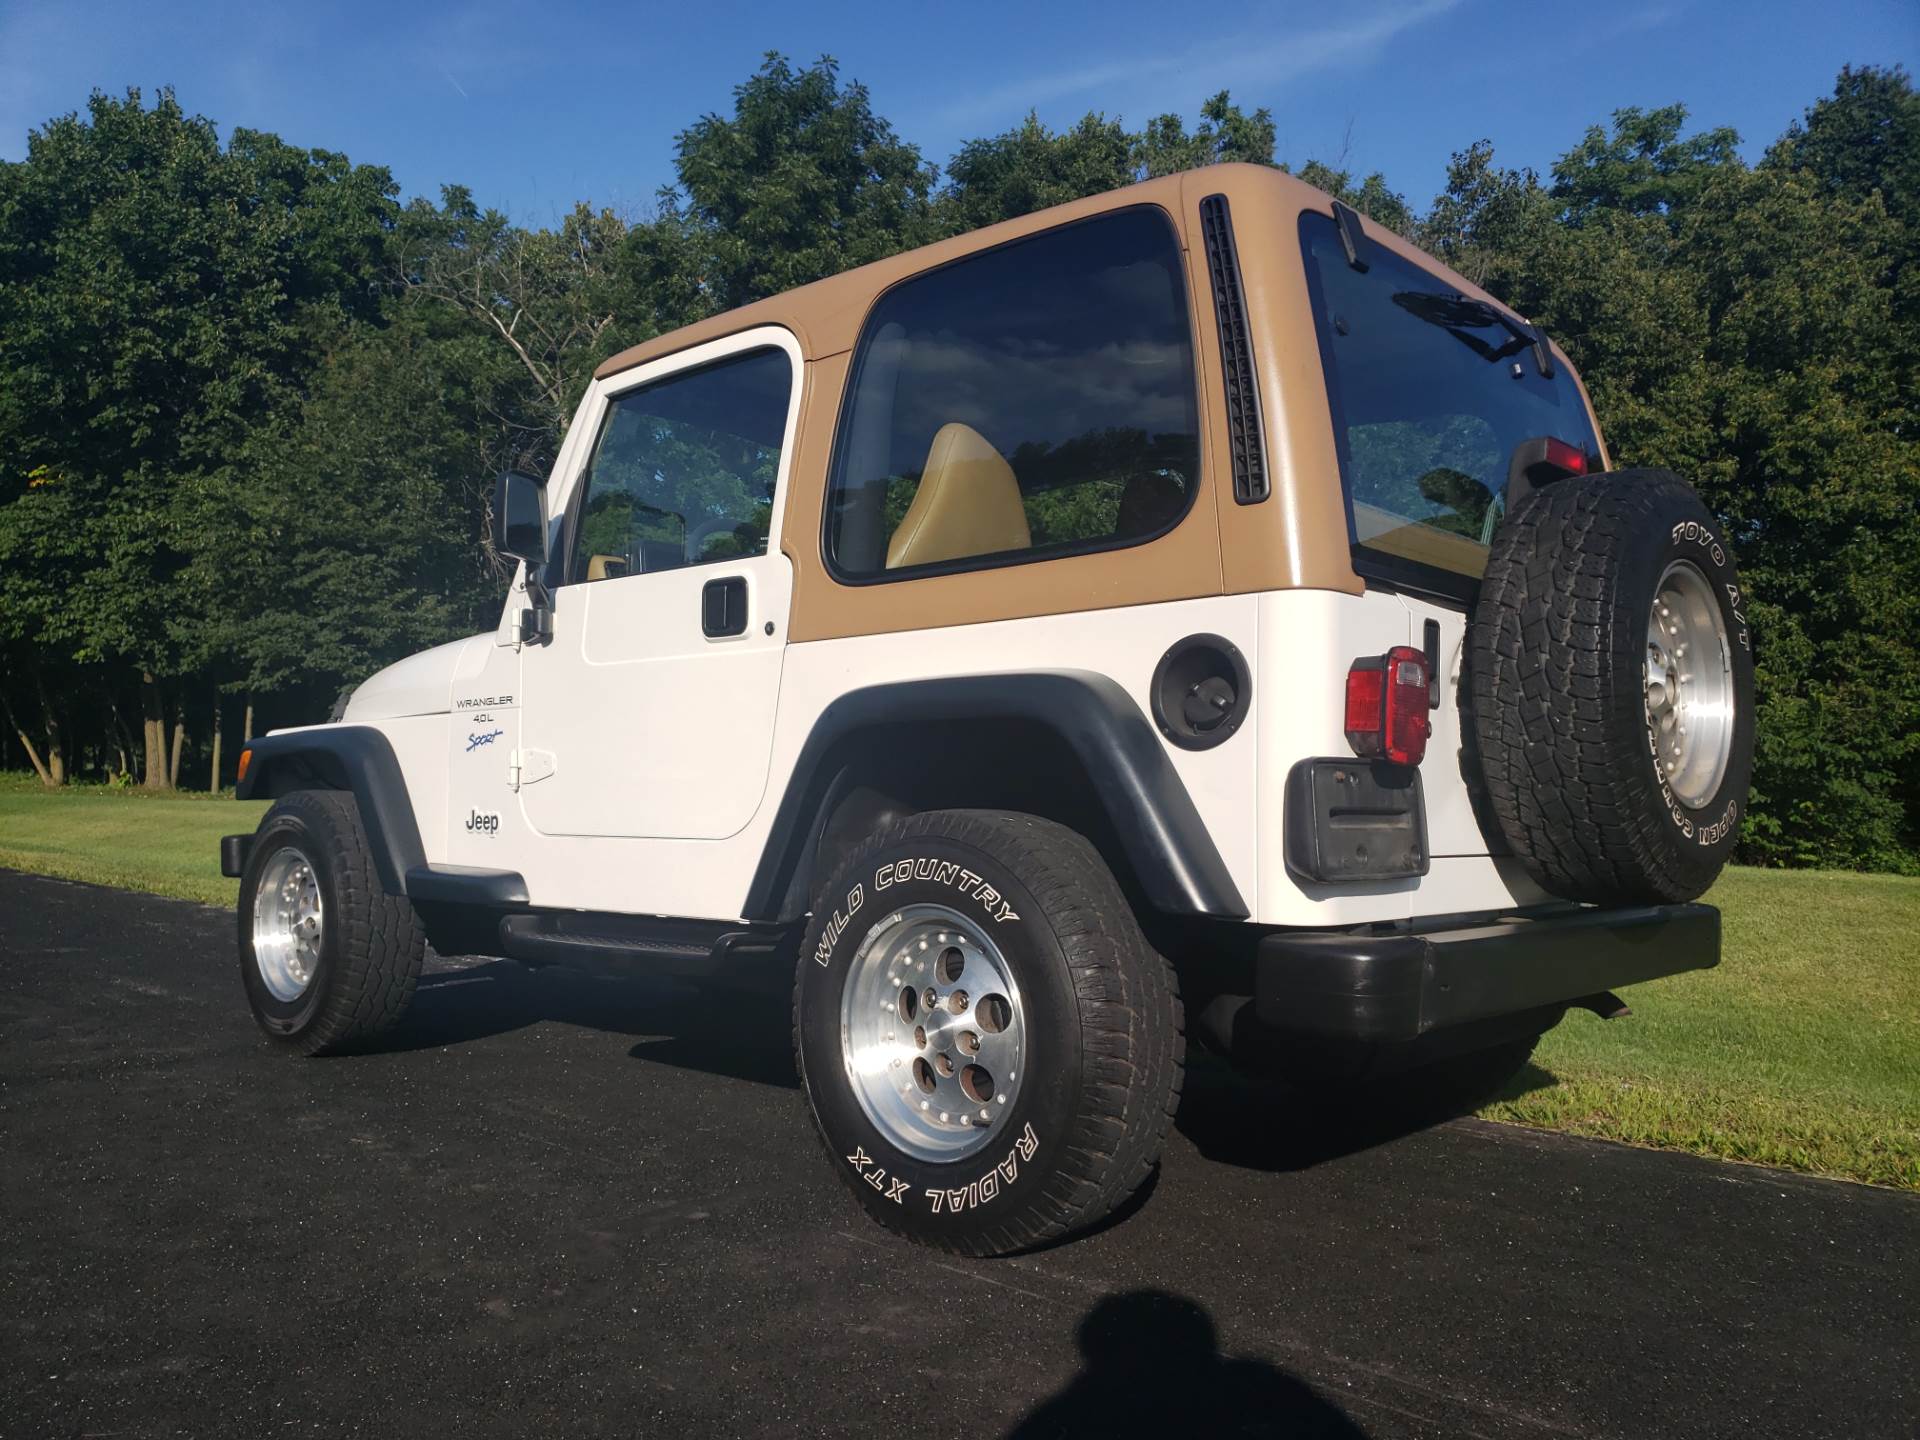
(521,518)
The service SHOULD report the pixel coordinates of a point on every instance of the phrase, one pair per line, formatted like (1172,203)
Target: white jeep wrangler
(1193,592)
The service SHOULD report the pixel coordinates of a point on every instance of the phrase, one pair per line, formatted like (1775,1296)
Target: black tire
(371,944)
(1558,656)
(1101,1008)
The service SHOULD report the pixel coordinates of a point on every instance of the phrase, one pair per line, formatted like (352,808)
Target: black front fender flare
(344,757)
(1166,842)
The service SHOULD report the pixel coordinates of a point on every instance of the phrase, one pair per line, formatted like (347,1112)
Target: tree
(1643,167)
(1031,167)
(802,181)
(159,296)
(1862,140)
(549,296)
(1226,133)
(1484,212)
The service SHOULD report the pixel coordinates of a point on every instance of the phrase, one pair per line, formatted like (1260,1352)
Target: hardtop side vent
(1246,436)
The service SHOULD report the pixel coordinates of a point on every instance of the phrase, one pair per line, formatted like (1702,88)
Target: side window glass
(683,470)
(1034,400)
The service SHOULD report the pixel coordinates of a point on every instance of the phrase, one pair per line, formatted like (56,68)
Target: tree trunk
(246,724)
(56,748)
(213,777)
(154,724)
(26,744)
(179,736)
(121,736)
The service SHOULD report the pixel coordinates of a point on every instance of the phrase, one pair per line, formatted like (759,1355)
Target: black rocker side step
(633,944)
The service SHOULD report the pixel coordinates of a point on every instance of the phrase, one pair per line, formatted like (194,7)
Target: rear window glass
(1431,395)
(1036,399)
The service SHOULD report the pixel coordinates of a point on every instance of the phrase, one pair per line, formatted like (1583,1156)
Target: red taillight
(1569,458)
(1387,706)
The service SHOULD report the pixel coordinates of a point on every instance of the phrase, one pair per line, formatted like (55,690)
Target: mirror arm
(536,621)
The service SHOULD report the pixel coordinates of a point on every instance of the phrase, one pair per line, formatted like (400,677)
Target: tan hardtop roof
(825,316)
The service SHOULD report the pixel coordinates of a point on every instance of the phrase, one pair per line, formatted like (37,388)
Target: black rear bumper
(1400,986)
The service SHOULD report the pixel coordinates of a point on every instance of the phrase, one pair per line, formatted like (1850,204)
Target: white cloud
(1290,54)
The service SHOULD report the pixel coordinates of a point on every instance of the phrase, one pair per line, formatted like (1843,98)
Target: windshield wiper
(1460,316)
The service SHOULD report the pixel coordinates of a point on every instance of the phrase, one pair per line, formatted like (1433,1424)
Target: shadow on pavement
(1153,1367)
(745,1036)
(1262,1124)
(1232,1117)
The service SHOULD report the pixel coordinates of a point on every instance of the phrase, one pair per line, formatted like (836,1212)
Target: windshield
(1432,391)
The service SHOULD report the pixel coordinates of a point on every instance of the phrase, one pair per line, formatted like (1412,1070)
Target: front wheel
(991,1048)
(328,958)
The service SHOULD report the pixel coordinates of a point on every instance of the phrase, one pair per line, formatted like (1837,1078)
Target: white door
(650,711)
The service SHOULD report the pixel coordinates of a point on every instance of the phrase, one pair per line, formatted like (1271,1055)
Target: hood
(418,685)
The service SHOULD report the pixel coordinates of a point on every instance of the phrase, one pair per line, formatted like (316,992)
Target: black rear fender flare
(1144,803)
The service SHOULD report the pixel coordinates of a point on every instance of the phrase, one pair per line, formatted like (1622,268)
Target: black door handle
(723,607)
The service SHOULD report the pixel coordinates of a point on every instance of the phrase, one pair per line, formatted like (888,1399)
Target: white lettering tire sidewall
(972,1196)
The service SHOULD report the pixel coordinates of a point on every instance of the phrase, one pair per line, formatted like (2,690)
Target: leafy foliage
(248,399)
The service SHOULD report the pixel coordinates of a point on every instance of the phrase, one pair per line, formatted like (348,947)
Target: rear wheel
(991,1049)
(328,958)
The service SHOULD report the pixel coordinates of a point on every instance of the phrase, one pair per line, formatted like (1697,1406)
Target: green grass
(166,844)
(1801,1050)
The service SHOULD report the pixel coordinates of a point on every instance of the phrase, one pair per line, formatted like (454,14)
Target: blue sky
(536,105)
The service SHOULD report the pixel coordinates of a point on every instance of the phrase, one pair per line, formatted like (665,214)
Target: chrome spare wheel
(287,921)
(1689,678)
(932,1032)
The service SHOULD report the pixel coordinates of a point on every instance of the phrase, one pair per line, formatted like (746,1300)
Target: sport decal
(485,737)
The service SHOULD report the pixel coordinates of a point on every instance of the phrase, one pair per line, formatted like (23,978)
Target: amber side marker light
(246,759)
(1387,706)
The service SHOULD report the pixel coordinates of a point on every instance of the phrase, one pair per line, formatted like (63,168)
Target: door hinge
(524,767)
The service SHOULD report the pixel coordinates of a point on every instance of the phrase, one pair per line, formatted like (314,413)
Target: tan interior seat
(968,503)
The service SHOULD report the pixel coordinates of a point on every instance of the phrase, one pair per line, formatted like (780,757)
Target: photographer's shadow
(1154,1368)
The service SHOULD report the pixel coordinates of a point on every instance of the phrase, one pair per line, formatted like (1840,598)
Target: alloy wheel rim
(288,924)
(932,1032)
(1689,685)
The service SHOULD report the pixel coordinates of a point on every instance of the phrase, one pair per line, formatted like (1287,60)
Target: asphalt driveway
(556,1205)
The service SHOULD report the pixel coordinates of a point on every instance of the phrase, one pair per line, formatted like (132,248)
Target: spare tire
(1612,688)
